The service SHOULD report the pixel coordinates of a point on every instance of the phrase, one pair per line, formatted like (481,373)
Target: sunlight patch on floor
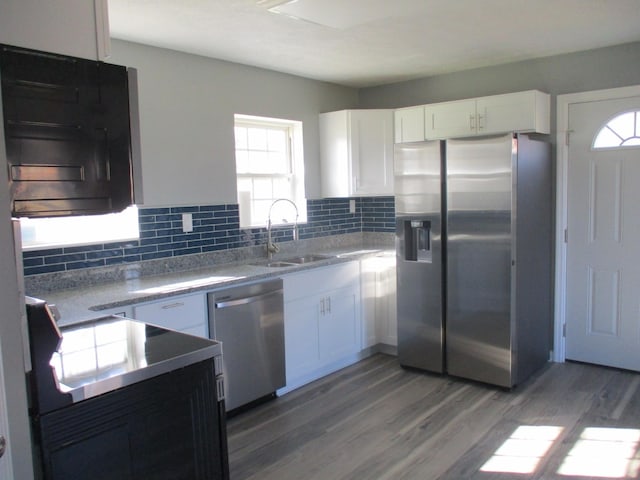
(523,450)
(604,452)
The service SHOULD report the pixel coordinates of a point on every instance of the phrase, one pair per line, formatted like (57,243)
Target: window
(621,131)
(269,165)
(39,233)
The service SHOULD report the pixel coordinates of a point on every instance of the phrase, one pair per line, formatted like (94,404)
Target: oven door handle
(245,300)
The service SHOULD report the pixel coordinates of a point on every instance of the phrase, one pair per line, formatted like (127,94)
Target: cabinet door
(185,313)
(301,344)
(80,29)
(409,124)
(356,153)
(166,427)
(335,154)
(386,306)
(322,321)
(368,289)
(514,112)
(450,119)
(339,326)
(371,151)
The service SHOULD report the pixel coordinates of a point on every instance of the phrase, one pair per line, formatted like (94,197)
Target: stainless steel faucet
(271,246)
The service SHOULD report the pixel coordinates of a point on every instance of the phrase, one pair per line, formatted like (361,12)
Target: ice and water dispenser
(415,240)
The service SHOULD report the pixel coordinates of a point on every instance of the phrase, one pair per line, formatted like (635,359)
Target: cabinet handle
(173,305)
(480,122)
(322,307)
(246,300)
(328,304)
(220,388)
(472,121)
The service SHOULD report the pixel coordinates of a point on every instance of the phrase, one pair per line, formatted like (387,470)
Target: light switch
(187,222)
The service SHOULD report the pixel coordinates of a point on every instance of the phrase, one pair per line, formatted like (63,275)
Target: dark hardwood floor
(375,420)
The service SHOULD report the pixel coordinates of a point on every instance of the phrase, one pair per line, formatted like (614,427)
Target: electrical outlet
(352,206)
(187,222)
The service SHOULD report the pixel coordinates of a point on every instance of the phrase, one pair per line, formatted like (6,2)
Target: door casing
(562,162)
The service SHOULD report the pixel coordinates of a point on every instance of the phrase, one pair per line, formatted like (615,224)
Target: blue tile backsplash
(215,227)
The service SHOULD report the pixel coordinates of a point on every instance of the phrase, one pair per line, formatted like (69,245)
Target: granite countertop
(87,301)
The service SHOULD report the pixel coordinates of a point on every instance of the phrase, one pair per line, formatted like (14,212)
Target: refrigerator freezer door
(479,262)
(419,255)
(417,179)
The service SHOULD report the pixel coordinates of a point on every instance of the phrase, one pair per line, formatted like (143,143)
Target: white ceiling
(371,42)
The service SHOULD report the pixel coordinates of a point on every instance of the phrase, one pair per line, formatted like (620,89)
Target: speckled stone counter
(85,295)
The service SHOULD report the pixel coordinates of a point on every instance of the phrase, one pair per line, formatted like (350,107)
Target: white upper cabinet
(356,153)
(409,124)
(451,119)
(514,112)
(69,27)
(527,111)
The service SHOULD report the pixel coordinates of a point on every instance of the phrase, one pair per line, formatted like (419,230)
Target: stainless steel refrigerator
(474,246)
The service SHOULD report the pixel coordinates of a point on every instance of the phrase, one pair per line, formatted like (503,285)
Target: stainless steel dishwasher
(249,321)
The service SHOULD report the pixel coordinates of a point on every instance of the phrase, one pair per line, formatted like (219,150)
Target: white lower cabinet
(386,306)
(184,313)
(322,321)
(379,323)
(301,338)
(339,324)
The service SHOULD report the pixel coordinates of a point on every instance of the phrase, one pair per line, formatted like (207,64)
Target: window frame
(623,141)
(250,217)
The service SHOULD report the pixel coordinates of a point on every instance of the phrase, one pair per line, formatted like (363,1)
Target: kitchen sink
(276,264)
(293,261)
(314,257)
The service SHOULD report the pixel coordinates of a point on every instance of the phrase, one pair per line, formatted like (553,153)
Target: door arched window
(623,130)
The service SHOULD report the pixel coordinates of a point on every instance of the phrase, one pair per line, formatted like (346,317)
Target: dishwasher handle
(245,300)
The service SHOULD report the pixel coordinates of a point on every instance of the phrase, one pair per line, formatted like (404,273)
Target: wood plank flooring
(375,420)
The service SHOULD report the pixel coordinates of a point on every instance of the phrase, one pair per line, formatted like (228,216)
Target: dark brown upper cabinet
(67,134)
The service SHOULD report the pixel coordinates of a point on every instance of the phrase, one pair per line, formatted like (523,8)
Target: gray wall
(577,72)
(187,104)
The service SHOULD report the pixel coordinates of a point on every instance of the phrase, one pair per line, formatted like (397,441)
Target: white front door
(603,250)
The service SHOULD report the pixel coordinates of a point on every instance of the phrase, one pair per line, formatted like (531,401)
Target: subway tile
(44,269)
(180,210)
(85,264)
(42,253)
(186,251)
(216,227)
(156,255)
(154,211)
(75,257)
(97,254)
